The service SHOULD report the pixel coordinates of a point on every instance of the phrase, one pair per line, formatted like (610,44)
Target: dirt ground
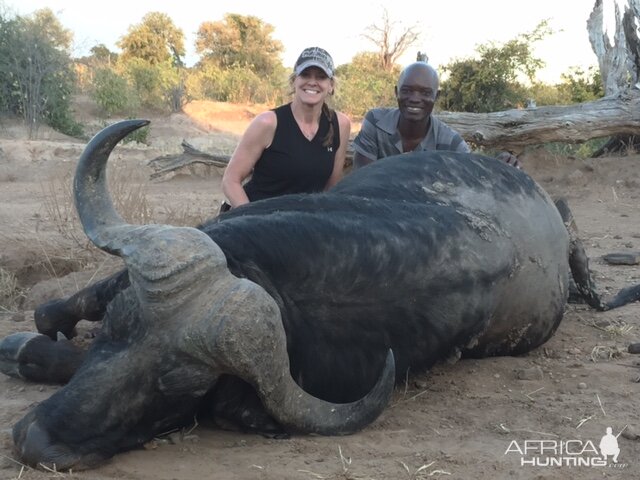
(468,420)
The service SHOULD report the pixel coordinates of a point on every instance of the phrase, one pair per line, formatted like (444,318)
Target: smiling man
(411,126)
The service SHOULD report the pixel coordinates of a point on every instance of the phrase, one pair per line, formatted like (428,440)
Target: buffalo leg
(579,264)
(234,405)
(578,260)
(62,315)
(35,357)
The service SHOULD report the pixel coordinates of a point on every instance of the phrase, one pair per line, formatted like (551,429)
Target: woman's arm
(256,138)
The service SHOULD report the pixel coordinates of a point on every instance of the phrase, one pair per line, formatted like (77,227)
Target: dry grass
(605,352)
(26,473)
(618,328)
(129,189)
(57,240)
(57,202)
(423,471)
(615,329)
(185,215)
(10,291)
(346,472)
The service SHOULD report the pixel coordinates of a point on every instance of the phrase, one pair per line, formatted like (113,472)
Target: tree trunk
(515,129)
(619,62)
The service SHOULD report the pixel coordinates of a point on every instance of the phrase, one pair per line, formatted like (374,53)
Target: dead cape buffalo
(297,313)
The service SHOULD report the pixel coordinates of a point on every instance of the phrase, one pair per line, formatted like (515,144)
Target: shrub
(113,94)
(363,84)
(140,135)
(237,85)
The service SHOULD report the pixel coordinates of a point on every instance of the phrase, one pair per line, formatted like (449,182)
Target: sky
(450,29)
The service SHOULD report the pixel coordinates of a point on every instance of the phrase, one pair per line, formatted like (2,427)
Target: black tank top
(292,163)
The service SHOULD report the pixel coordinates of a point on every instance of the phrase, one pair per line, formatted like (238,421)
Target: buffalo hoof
(11,349)
(37,449)
(624,296)
(35,357)
(51,317)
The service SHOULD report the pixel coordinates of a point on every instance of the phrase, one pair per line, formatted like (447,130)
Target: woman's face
(312,86)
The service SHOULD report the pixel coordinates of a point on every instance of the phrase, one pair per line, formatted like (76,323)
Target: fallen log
(515,129)
(190,155)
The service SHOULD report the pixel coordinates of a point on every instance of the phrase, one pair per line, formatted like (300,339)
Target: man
(411,126)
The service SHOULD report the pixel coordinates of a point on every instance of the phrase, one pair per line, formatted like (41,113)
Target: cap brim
(313,63)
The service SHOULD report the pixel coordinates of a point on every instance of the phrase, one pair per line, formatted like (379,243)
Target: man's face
(416,93)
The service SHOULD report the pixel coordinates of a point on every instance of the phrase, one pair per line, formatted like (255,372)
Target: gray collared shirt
(379,136)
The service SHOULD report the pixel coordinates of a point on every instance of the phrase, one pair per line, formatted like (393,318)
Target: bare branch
(390,46)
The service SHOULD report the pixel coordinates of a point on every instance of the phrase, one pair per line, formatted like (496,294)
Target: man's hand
(509,158)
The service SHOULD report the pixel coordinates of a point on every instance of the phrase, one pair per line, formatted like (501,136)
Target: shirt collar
(389,123)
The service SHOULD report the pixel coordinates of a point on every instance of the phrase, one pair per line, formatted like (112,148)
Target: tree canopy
(35,70)
(155,40)
(491,82)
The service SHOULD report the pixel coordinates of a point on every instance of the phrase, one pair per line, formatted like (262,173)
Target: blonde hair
(327,111)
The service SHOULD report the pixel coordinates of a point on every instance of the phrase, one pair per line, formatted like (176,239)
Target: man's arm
(507,157)
(365,145)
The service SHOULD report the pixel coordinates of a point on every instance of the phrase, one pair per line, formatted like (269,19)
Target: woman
(299,147)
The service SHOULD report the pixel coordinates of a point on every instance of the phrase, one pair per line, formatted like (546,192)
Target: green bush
(57,113)
(582,86)
(236,85)
(579,150)
(146,80)
(140,135)
(202,83)
(36,76)
(113,94)
(364,85)
(62,121)
(545,94)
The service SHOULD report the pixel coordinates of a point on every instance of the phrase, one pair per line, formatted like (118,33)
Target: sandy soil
(457,421)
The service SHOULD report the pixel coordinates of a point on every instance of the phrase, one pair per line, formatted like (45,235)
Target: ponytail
(328,140)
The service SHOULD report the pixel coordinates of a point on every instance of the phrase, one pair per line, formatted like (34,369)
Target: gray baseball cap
(314,57)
